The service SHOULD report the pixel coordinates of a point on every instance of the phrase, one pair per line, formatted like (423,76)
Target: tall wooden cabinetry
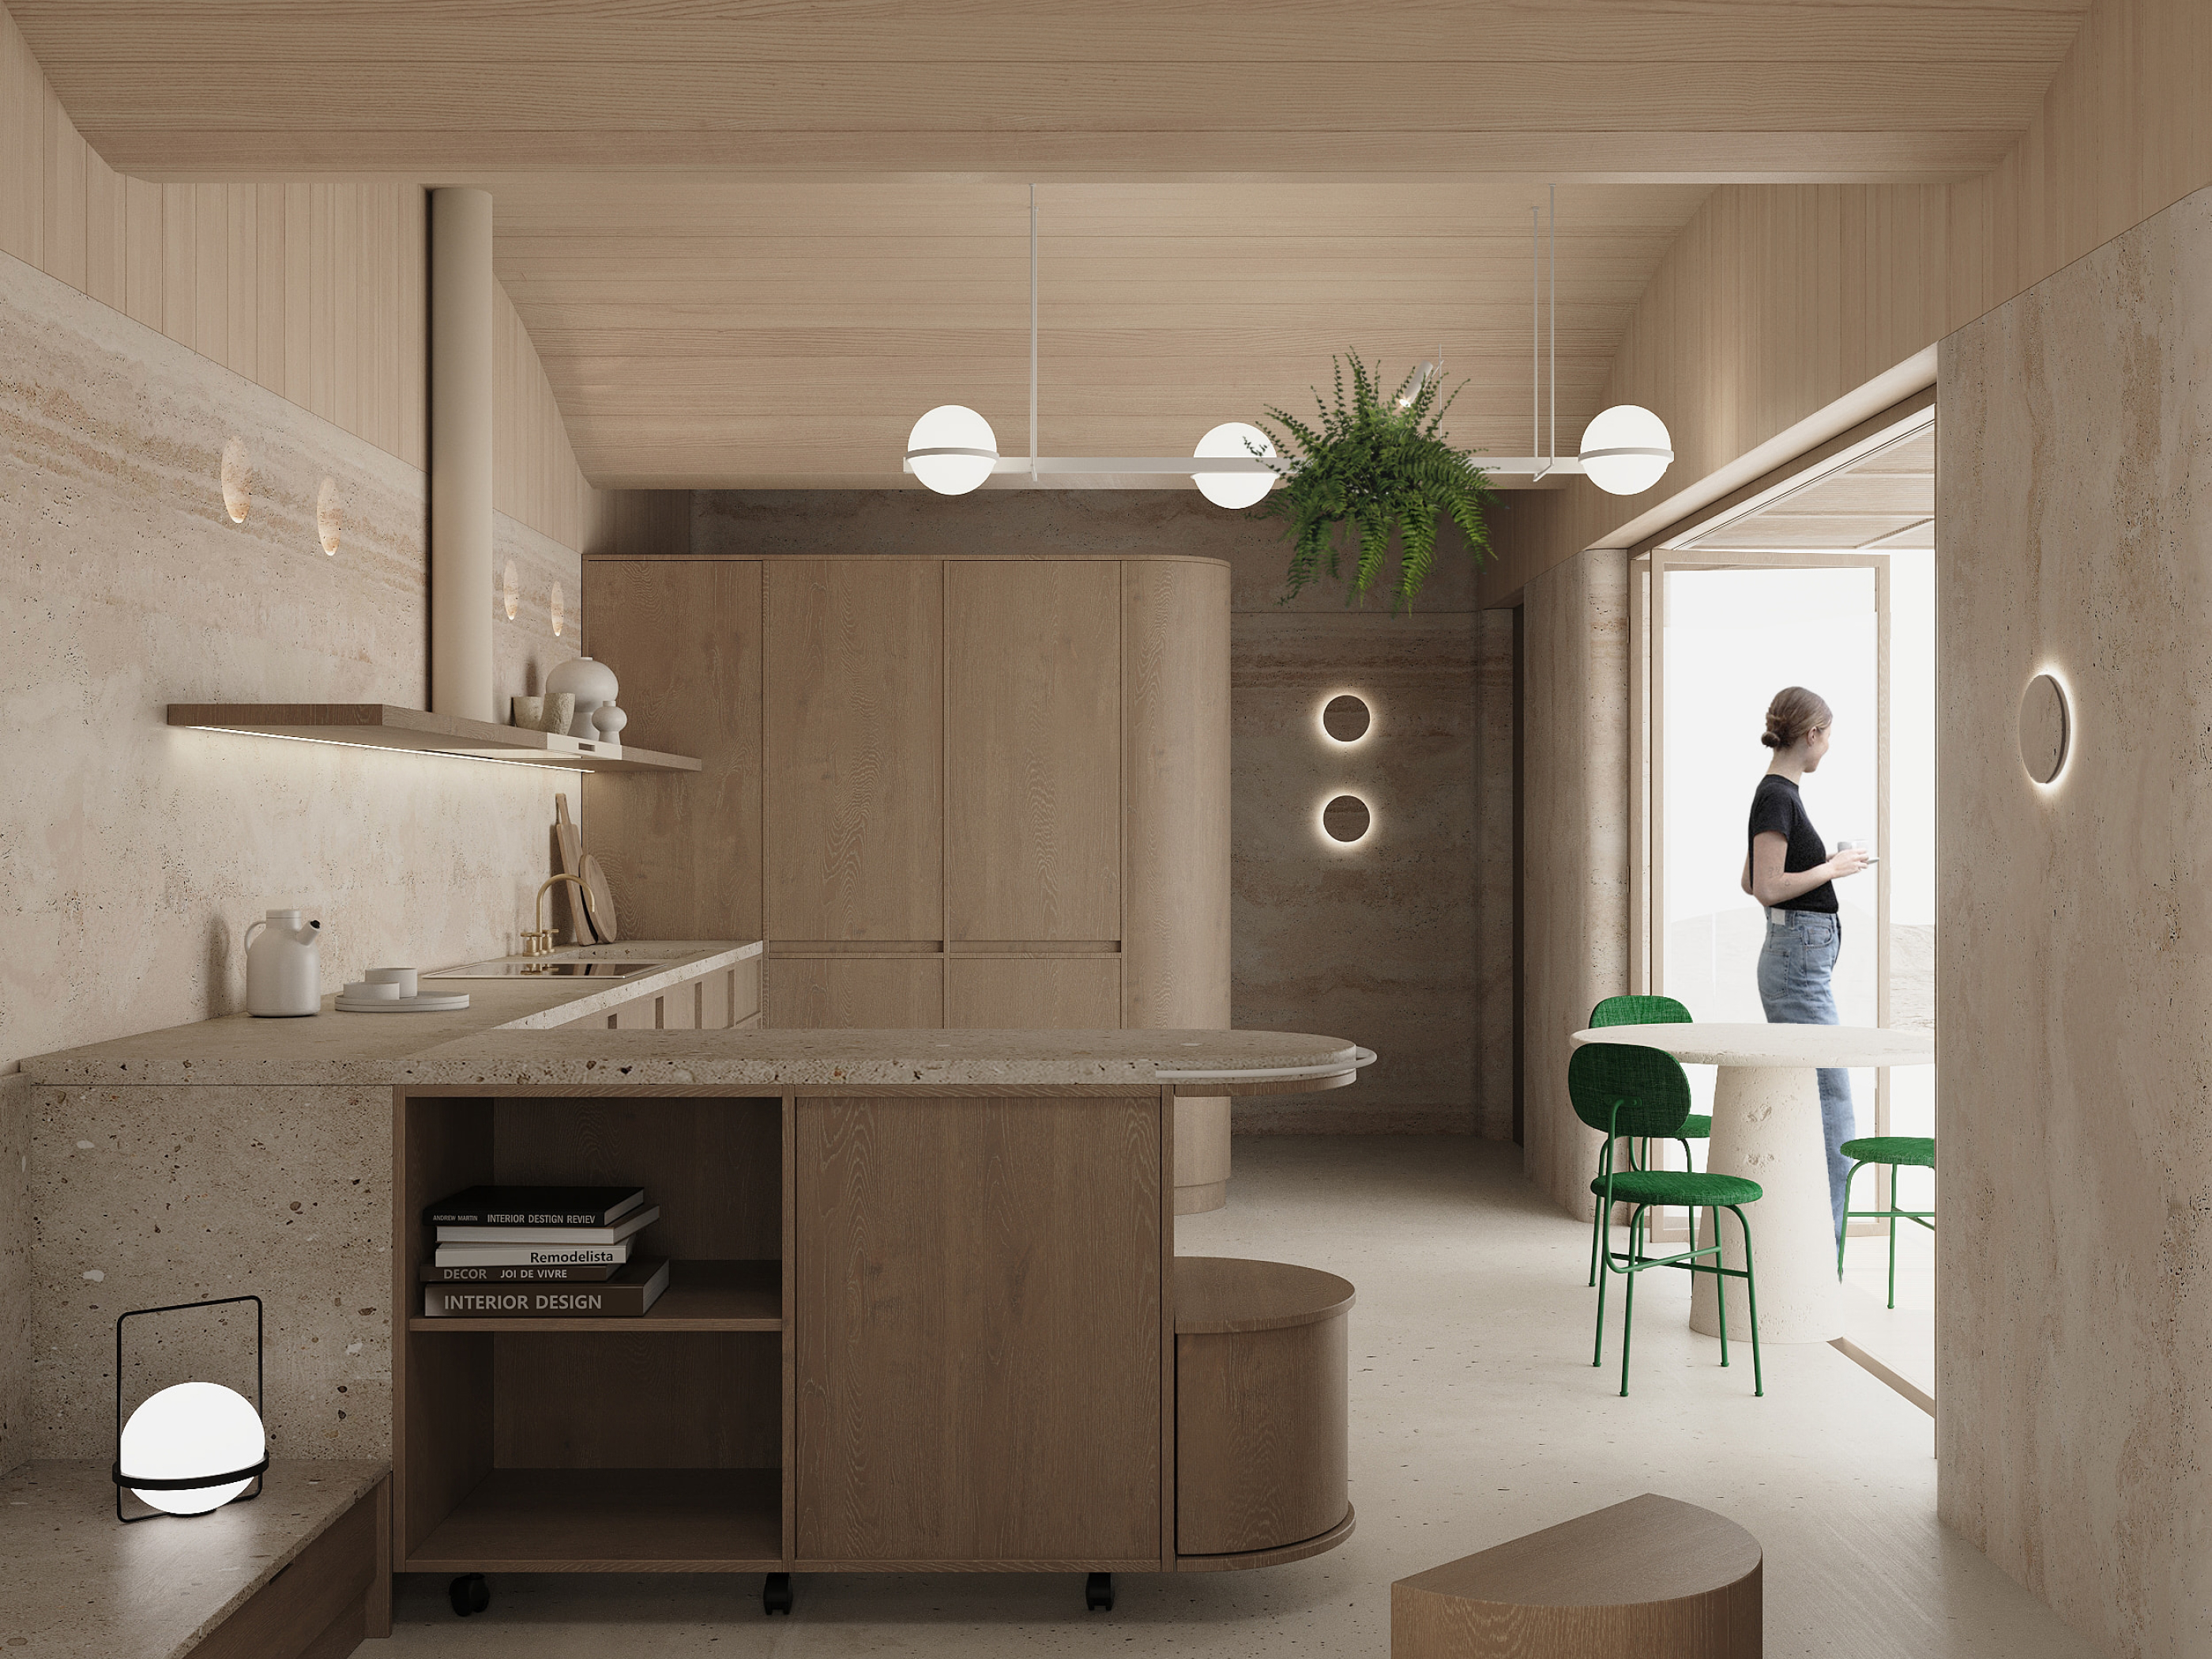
(985,792)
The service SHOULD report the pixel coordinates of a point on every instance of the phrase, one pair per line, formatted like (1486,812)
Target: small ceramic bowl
(364,990)
(405,978)
(530,713)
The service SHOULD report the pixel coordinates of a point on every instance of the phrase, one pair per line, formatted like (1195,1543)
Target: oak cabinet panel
(854,749)
(855,993)
(1063,994)
(1033,773)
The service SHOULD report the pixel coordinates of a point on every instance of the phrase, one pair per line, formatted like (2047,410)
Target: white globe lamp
(189,1432)
(1625,450)
(1233,488)
(951,449)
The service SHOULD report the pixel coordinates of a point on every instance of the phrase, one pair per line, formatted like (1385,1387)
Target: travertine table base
(1766,1128)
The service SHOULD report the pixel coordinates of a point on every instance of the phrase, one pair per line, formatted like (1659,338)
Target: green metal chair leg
(1893,1236)
(1846,1231)
(1751,1291)
(1720,1283)
(1628,1296)
(1604,1272)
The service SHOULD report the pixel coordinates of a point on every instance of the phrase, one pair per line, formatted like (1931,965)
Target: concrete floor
(1475,1417)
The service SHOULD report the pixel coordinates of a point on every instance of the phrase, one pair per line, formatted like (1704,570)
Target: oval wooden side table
(1653,1576)
(1261,1426)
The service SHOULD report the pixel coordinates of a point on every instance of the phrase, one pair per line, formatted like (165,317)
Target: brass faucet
(539,942)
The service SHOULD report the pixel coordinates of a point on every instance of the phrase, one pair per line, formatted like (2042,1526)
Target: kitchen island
(923,1310)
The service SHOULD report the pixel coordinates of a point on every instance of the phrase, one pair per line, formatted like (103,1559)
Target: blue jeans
(1794,969)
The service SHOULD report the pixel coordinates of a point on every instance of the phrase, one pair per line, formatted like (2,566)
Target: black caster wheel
(1098,1592)
(776,1594)
(469,1594)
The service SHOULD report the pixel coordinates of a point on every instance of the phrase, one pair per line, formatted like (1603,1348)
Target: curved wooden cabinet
(980,792)
(1261,1413)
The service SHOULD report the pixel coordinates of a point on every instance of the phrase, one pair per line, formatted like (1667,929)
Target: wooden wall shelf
(702,1295)
(382,726)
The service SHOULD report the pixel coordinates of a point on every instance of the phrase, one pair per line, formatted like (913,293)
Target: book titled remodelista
(629,1293)
(635,1221)
(535,1207)
(532,1255)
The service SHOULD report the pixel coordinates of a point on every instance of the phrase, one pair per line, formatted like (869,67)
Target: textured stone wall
(1384,943)
(1575,742)
(2074,970)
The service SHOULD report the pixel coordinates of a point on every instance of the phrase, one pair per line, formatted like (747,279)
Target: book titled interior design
(628,1293)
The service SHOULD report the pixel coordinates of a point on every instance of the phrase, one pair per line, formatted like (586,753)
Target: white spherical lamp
(1625,450)
(951,449)
(191,1431)
(1233,488)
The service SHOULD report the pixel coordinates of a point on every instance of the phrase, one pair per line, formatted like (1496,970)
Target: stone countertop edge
(778,1060)
(136,1061)
(44,1575)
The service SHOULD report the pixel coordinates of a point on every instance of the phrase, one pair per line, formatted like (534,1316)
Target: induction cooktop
(545,971)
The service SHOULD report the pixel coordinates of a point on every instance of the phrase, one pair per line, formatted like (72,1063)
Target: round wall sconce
(2045,728)
(330,516)
(510,589)
(1345,818)
(237,479)
(560,612)
(1346,718)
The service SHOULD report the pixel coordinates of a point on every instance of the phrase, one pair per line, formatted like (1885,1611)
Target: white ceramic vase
(609,721)
(592,684)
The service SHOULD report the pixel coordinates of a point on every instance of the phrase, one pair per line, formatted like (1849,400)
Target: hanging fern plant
(1373,468)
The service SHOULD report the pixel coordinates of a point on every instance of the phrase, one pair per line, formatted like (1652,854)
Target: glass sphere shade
(1626,428)
(950,425)
(1233,488)
(191,1429)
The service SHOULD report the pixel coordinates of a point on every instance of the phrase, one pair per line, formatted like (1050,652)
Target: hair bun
(1769,739)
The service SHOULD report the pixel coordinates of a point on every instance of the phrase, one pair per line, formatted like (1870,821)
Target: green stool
(1644,1011)
(1898,1152)
(1636,1093)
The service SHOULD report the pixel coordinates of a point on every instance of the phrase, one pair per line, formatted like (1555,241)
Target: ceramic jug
(284,966)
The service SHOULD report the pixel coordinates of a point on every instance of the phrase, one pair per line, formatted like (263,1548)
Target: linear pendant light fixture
(1624,449)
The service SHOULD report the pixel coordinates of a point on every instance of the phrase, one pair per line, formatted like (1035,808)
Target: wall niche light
(330,516)
(510,590)
(1345,818)
(237,479)
(1345,718)
(560,612)
(2046,728)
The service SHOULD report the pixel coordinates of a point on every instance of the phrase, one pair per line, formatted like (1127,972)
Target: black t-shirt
(1776,806)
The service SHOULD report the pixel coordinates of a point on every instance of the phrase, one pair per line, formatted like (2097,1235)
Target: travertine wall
(2074,974)
(1382,942)
(1575,845)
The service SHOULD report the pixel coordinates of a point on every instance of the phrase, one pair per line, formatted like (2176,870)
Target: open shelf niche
(384,726)
(652,1443)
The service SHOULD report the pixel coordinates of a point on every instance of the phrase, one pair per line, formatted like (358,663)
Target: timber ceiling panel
(1650,89)
(786,336)
(1886,501)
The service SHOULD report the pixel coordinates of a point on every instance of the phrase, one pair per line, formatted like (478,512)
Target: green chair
(1898,1152)
(1644,1011)
(1626,1091)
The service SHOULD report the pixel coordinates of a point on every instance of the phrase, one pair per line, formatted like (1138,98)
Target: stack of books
(540,1252)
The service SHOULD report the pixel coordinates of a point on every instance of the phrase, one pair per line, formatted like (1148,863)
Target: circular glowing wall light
(237,479)
(2046,728)
(330,516)
(1346,718)
(510,589)
(1346,819)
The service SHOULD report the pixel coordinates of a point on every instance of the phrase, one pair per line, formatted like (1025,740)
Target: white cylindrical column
(460,454)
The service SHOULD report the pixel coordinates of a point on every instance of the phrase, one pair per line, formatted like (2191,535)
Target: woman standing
(1789,871)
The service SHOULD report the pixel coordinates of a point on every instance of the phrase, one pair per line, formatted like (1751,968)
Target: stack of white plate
(392,991)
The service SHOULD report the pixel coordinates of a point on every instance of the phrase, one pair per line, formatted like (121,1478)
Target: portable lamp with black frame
(193,1447)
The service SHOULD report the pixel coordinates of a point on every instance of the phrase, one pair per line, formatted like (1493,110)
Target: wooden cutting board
(603,899)
(569,843)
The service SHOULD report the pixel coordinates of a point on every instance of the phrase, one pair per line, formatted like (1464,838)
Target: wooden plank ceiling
(752,239)
(1885,502)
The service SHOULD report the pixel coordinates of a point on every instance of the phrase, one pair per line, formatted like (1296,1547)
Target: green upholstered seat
(1918,1151)
(1682,1187)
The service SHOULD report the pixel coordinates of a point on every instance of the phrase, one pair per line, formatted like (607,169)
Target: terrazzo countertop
(772,1060)
(76,1583)
(351,1049)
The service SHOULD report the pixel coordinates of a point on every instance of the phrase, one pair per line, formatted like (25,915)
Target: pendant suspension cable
(1033,336)
(1535,318)
(1552,449)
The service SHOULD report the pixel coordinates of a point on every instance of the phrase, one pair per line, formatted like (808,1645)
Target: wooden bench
(302,1572)
(1652,1576)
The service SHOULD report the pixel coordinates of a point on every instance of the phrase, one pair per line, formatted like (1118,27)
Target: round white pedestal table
(1766,1125)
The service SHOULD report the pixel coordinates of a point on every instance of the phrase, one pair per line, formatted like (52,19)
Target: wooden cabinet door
(978,1331)
(1033,776)
(682,851)
(855,993)
(854,743)
(1072,993)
